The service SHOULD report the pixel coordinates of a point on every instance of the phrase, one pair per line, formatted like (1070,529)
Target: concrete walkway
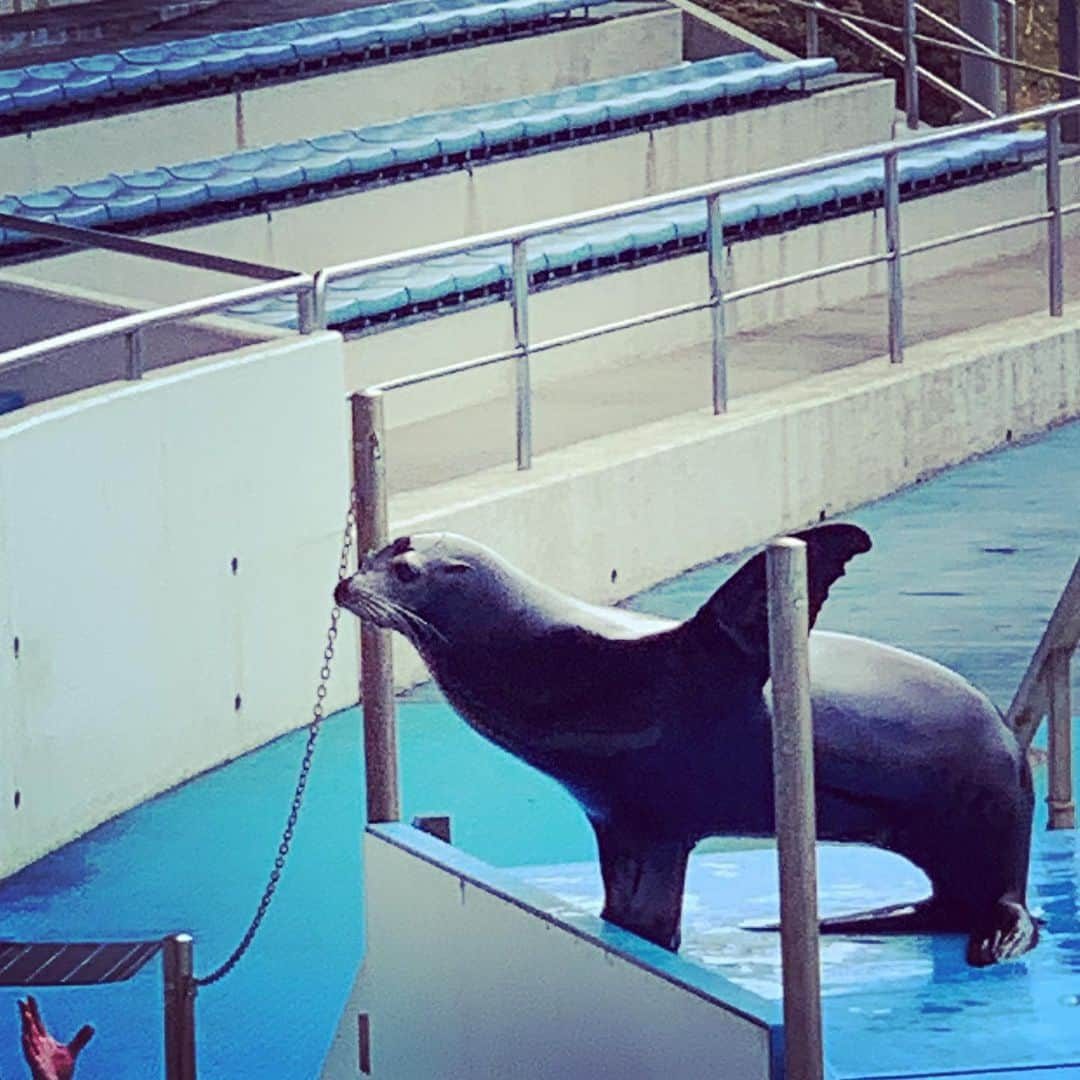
(573,410)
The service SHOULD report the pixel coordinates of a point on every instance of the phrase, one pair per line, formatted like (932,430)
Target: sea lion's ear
(739,608)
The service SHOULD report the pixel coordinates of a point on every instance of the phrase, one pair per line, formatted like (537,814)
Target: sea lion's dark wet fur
(662,731)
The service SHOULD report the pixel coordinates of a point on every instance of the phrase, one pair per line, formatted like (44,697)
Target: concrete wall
(142,657)
(649,502)
(211,126)
(458,204)
(480,331)
(470,974)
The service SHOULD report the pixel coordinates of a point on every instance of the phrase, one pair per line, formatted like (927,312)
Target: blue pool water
(965,569)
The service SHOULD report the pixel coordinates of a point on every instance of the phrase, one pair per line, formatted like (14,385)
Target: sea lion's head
(436,589)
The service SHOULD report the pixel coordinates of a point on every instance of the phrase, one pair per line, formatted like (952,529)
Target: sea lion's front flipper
(739,608)
(643,882)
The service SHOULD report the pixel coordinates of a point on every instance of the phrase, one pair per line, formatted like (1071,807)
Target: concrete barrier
(509,981)
(167,554)
(210,126)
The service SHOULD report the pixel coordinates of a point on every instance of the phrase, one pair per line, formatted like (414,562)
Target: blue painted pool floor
(903,1006)
(965,569)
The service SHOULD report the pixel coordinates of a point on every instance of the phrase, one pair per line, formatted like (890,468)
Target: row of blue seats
(297,45)
(293,171)
(382,296)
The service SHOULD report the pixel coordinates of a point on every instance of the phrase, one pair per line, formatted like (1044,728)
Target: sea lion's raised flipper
(739,607)
(644,879)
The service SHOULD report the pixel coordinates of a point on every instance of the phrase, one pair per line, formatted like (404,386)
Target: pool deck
(904,1006)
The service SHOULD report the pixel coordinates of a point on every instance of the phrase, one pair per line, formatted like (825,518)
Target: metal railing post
(1055,245)
(892,244)
(1059,798)
(133,360)
(179,992)
(1009,18)
(796,825)
(519,302)
(305,310)
(813,33)
(376,662)
(319,313)
(715,236)
(911,67)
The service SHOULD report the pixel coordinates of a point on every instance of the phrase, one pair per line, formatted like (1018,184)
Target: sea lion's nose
(341,593)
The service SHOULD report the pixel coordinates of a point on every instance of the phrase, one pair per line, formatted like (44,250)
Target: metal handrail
(148,249)
(1044,690)
(713,194)
(853,23)
(300,285)
(727,186)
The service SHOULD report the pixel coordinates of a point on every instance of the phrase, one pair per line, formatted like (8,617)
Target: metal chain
(314,725)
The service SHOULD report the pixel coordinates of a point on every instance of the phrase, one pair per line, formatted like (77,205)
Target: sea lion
(662,731)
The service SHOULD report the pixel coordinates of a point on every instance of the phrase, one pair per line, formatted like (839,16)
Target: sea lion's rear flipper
(643,882)
(739,608)
(1010,931)
(924,917)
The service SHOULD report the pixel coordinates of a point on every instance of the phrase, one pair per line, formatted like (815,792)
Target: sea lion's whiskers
(393,616)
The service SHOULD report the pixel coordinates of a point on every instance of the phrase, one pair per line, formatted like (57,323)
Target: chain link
(317,717)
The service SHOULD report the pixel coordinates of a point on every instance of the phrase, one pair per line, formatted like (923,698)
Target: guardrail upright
(179,992)
(715,234)
(796,823)
(813,32)
(1061,806)
(376,662)
(133,360)
(911,67)
(1008,9)
(306,311)
(893,250)
(519,302)
(1055,241)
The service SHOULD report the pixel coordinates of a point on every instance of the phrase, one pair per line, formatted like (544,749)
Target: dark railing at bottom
(31,964)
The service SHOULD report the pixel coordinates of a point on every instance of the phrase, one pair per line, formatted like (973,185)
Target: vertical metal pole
(319,313)
(813,33)
(1069,60)
(133,365)
(305,310)
(376,664)
(1009,12)
(715,233)
(1060,795)
(179,990)
(911,67)
(892,245)
(519,301)
(796,825)
(1055,245)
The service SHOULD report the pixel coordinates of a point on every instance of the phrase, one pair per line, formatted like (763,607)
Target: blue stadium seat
(405,291)
(415,144)
(192,65)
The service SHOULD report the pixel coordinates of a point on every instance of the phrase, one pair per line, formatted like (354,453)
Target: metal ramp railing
(1045,691)
(28,965)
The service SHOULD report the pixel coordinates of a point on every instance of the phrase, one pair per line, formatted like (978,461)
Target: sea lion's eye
(404,570)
